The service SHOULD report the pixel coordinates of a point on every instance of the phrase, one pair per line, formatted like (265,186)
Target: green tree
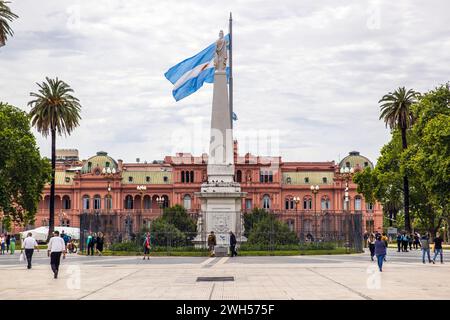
(54,111)
(6,16)
(178,216)
(23,173)
(270,231)
(427,160)
(396,113)
(250,219)
(166,234)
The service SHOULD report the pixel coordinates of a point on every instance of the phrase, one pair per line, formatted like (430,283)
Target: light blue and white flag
(189,75)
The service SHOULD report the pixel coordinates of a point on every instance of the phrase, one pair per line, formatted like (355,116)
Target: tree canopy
(23,173)
(426,162)
(263,228)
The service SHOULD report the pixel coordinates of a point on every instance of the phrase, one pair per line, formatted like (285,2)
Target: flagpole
(231,71)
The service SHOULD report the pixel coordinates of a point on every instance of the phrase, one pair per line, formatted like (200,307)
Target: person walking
(147,245)
(380,251)
(8,242)
(29,244)
(438,247)
(233,244)
(12,246)
(425,245)
(56,247)
(211,243)
(399,242)
(371,245)
(410,241)
(90,244)
(405,242)
(417,241)
(386,242)
(2,244)
(99,243)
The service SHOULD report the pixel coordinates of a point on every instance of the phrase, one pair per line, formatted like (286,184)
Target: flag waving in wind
(189,75)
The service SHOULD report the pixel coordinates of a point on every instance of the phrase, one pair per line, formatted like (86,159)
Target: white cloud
(313,71)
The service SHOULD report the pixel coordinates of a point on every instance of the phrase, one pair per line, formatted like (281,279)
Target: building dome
(101,161)
(355,160)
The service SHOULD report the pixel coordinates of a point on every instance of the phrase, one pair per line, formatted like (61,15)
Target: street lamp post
(141,189)
(315,190)
(296,201)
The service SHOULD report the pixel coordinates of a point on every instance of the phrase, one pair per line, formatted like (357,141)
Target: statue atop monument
(220,56)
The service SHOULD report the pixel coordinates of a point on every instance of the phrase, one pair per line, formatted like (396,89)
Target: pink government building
(105,185)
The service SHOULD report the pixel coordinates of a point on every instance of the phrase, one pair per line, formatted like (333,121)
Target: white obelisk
(221,197)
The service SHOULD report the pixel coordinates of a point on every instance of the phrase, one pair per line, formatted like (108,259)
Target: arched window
(291,224)
(147,202)
(369,206)
(239,176)
(86,202)
(357,203)
(128,202)
(108,202)
(186,177)
(289,203)
(187,202)
(266,202)
(192,176)
(325,203)
(165,202)
(65,223)
(182,176)
(97,202)
(66,202)
(307,226)
(307,203)
(346,203)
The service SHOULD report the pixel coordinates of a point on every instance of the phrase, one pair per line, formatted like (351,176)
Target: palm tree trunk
(406,188)
(51,220)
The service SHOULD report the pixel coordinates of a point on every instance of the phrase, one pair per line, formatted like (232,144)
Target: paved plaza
(352,277)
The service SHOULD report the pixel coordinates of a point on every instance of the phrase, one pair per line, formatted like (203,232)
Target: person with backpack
(425,245)
(438,248)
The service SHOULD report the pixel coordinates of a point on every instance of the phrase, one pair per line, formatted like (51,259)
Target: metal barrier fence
(125,233)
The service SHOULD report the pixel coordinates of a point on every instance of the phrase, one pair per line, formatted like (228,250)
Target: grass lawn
(240,253)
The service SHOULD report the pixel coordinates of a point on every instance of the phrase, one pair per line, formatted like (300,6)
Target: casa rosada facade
(103,185)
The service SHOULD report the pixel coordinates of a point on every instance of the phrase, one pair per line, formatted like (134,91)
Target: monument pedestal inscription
(221,197)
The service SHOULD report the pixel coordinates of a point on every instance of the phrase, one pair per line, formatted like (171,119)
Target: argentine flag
(188,76)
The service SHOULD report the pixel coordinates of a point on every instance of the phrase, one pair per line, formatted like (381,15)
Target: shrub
(270,231)
(125,246)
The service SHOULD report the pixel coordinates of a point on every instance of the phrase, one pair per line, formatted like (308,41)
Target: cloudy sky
(308,74)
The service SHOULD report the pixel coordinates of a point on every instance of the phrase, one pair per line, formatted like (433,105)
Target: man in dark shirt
(233,244)
(438,247)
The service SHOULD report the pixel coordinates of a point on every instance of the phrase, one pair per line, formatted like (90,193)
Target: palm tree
(396,113)
(5,16)
(55,111)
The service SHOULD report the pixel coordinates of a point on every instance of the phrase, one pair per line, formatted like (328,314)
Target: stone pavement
(352,277)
